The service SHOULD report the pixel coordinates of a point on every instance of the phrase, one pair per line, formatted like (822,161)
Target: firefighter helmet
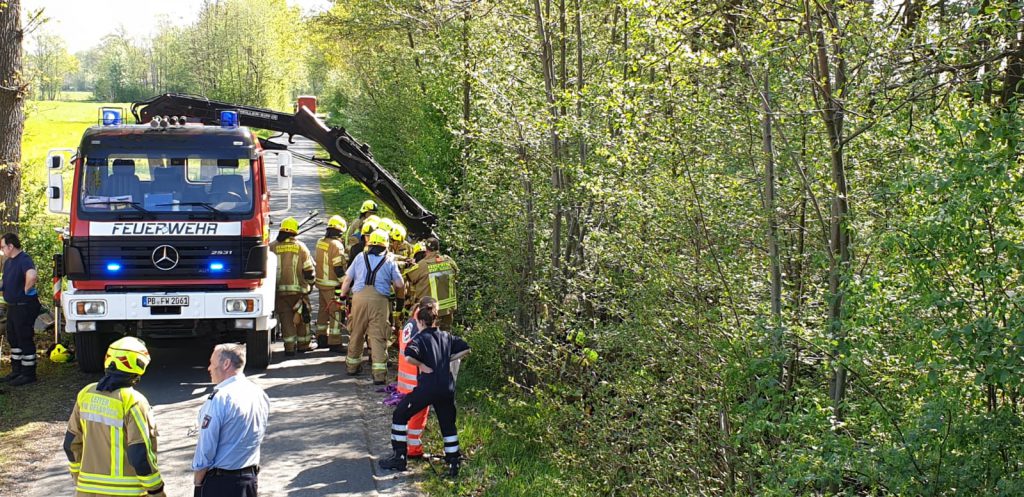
(386,224)
(368,206)
(418,247)
(290,225)
(128,355)
(379,238)
(59,354)
(369,224)
(336,222)
(398,233)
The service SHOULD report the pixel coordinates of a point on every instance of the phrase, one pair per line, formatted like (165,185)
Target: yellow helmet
(59,354)
(336,222)
(368,205)
(386,224)
(418,247)
(290,225)
(378,237)
(369,224)
(127,354)
(398,233)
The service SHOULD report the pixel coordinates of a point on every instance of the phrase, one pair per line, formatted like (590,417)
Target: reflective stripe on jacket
(104,425)
(330,254)
(435,275)
(292,260)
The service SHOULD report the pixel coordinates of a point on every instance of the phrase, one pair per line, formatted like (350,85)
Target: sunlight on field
(55,125)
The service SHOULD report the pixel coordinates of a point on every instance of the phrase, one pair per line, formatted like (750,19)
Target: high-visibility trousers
(294,336)
(369,321)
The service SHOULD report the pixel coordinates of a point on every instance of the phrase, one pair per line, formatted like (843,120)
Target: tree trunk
(773,222)
(12,113)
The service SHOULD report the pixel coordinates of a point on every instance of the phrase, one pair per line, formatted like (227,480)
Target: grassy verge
(344,195)
(33,416)
(506,441)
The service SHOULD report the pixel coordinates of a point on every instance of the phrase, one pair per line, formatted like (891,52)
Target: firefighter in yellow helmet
(369,208)
(111,437)
(371,277)
(434,276)
(294,276)
(330,262)
(369,226)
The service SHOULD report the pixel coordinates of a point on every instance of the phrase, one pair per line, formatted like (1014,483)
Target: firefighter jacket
(330,259)
(293,263)
(434,275)
(111,444)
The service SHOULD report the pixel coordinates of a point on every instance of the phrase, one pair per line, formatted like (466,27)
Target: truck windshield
(162,185)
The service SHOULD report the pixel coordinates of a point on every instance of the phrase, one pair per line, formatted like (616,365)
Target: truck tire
(90,349)
(257,349)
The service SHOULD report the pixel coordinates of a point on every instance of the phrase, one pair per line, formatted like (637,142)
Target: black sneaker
(396,462)
(453,469)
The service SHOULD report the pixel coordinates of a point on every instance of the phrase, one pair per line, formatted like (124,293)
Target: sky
(83,23)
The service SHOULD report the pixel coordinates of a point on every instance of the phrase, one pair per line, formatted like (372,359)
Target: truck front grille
(174,258)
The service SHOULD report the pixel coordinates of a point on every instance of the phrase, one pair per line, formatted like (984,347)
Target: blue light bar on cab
(111,117)
(113,267)
(228,119)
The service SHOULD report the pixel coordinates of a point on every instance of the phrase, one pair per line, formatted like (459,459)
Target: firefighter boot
(28,375)
(15,372)
(396,462)
(452,463)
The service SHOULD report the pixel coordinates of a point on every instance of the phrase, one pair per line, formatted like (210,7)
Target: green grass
(53,124)
(503,440)
(76,96)
(343,195)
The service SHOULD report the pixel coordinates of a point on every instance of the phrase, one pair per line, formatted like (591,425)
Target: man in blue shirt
(18,285)
(370,277)
(232,423)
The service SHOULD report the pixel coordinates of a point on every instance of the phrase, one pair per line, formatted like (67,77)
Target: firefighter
(369,208)
(434,276)
(432,352)
(371,277)
(400,248)
(294,276)
(369,225)
(111,437)
(330,268)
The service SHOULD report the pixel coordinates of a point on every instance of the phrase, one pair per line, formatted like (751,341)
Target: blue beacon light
(228,119)
(216,266)
(113,267)
(111,117)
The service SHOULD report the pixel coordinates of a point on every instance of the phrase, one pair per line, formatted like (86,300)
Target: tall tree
(12,112)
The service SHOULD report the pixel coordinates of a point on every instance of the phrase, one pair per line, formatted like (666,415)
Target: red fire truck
(170,221)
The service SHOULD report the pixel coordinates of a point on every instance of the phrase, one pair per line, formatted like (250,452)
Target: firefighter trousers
(412,405)
(329,318)
(21,317)
(369,321)
(295,336)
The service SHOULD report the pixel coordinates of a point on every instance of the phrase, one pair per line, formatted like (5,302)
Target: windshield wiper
(123,202)
(200,204)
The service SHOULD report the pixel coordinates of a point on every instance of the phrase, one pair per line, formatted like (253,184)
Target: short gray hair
(234,352)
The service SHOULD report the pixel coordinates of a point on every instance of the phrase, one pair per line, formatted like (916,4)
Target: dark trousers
(21,318)
(444,408)
(243,485)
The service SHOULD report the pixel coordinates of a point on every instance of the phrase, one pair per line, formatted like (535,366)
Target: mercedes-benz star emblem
(165,257)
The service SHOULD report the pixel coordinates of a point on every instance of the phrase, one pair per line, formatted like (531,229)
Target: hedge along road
(326,430)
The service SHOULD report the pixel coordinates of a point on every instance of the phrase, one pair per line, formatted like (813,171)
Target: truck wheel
(90,349)
(257,349)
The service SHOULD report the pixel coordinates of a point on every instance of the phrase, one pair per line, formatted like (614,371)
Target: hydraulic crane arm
(347,155)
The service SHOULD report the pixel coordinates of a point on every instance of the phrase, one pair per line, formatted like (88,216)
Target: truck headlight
(91,307)
(239,306)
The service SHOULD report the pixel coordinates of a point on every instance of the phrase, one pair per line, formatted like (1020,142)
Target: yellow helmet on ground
(369,224)
(128,355)
(336,222)
(418,247)
(368,206)
(59,354)
(386,224)
(398,233)
(379,238)
(290,225)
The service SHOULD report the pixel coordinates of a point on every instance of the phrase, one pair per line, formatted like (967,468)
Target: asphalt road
(326,430)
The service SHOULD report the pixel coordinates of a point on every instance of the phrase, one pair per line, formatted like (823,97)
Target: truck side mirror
(284,175)
(55,193)
(55,159)
(57,162)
